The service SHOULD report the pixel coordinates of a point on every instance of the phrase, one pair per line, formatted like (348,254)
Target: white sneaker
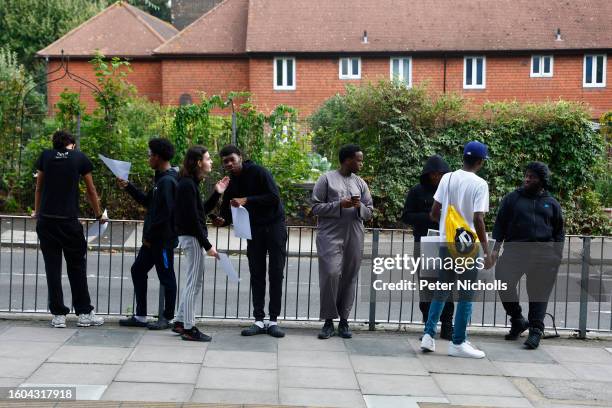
(428,343)
(464,349)
(59,321)
(90,319)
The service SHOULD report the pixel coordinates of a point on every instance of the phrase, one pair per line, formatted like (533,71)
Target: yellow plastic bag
(462,241)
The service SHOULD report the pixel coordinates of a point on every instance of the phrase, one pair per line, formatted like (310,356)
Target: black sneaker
(194,334)
(518,326)
(178,327)
(447,331)
(276,331)
(253,330)
(343,330)
(132,321)
(533,340)
(328,330)
(160,324)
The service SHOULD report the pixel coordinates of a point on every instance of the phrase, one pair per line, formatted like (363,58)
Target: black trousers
(163,260)
(57,236)
(425,295)
(541,274)
(267,240)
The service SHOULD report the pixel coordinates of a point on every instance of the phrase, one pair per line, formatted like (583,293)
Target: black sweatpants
(64,235)
(267,240)
(163,260)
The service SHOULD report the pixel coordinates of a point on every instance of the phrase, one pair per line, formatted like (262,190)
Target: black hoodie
(158,225)
(419,199)
(190,212)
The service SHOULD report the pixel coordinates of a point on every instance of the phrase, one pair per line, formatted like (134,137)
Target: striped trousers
(194,254)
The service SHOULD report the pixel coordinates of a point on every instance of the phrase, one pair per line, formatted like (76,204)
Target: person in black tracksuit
(417,206)
(530,225)
(158,236)
(254,188)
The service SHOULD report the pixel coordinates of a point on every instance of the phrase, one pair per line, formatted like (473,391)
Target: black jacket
(263,198)
(419,199)
(529,218)
(158,225)
(190,212)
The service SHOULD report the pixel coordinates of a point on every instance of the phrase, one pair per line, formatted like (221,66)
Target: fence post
(584,287)
(162,302)
(373,277)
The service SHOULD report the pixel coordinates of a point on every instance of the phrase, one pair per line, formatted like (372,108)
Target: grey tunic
(340,234)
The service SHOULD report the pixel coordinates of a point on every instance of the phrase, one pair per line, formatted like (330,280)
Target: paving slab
(444,364)
(27,349)
(514,352)
(19,367)
(384,384)
(306,358)
(400,401)
(534,370)
(576,354)
(576,390)
(165,355)
(240,359)
(379,346)
(489,401)
(84,392)
(591,371)
(149,372)
(238,379)
(10,382)
(476,385)
(315,377)
(166,339)
(321,397)
(213,396)
(61,373)
(133,391)
(387,365)
(101,337)
(90,355)
(310,342)
(232,340)
(41,334)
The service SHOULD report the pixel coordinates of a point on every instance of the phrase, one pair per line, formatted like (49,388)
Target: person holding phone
(341,201)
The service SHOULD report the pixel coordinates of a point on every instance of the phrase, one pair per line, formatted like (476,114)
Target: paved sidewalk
(372,370)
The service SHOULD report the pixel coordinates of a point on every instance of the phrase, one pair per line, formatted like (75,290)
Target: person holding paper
(158,236)
(254,188)
(190,225)
(56,207)
(341,201)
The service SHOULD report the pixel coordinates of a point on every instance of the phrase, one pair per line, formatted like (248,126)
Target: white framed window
(474,72)
(541,66)
(400,69)
(350,68)
(284,73)
(594,75)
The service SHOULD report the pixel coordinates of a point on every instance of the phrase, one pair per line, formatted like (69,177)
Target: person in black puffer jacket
(529,224)
(419,201)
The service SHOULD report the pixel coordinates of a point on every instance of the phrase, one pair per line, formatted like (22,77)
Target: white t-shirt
(468,193)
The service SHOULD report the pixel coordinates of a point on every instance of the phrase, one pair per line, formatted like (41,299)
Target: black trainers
(518,326)
(446,332)
(253,330)
(178,327)
(160,324)
(343,330)
(194,334)
(533,340)
(328,330)
(132,321)
(276,331)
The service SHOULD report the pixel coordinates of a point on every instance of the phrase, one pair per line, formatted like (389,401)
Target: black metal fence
(586,272)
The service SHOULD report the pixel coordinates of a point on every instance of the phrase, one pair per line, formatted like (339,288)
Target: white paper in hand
(228,268)
(119,168)
(96,229)
(242,223)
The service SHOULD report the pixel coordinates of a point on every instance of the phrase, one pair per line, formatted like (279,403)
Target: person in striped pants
(190,224)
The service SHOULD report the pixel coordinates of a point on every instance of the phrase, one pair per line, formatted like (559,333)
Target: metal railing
(581,299)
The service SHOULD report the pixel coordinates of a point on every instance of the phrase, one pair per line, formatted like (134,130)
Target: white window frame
(541,74)
(401,78)
(284,86)
(474,73)
(350,68)
(594,71)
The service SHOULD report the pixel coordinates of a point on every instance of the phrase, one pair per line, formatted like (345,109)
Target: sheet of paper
(119,168)
(242,224)
(430,249)
(228,268)
(96,229)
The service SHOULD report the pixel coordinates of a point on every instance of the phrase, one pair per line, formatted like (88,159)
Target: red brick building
(300,52)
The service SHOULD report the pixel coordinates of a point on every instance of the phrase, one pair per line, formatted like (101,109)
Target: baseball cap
(476,149)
